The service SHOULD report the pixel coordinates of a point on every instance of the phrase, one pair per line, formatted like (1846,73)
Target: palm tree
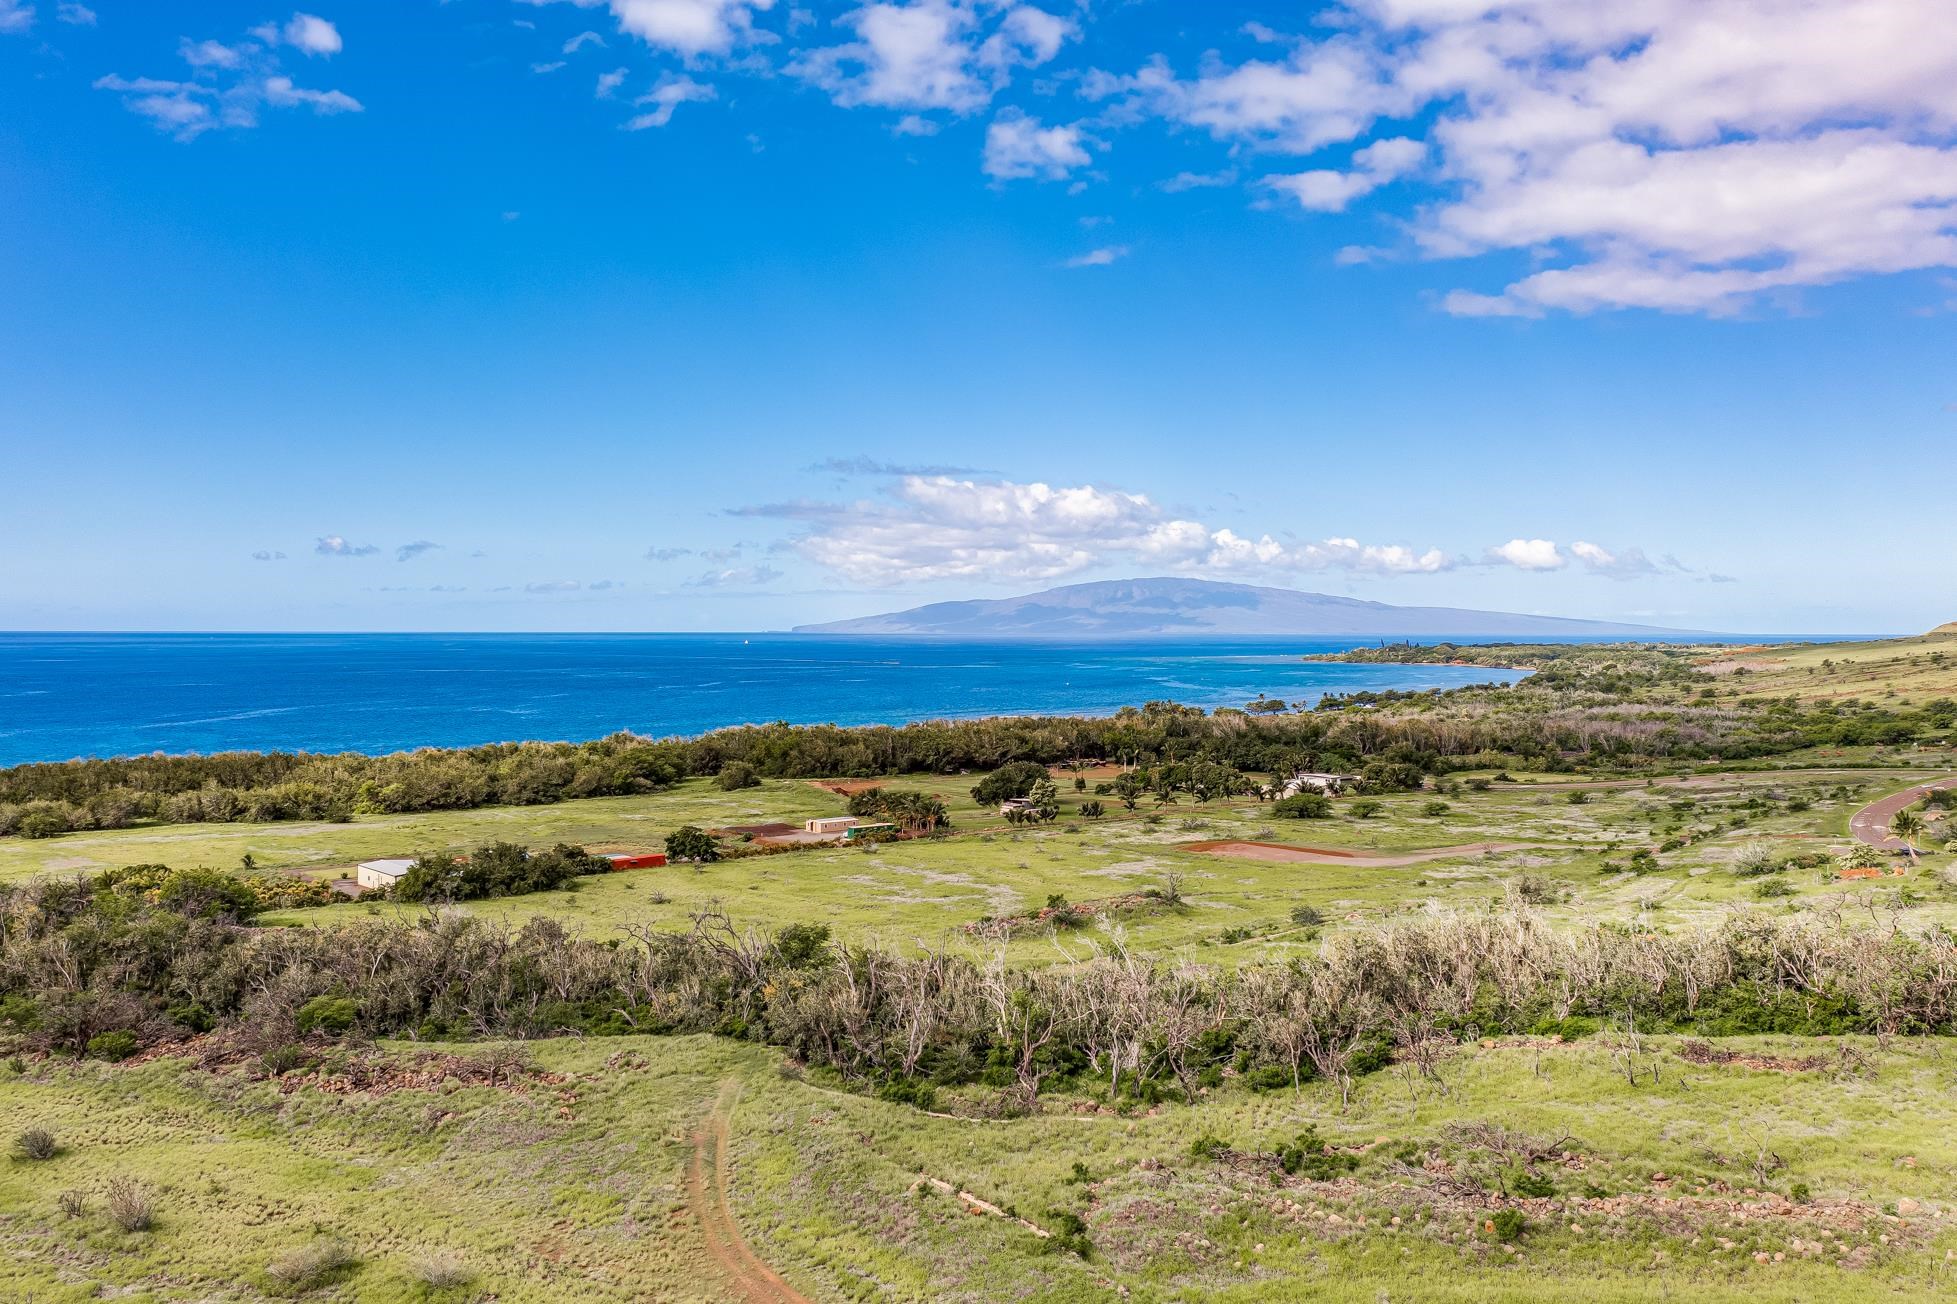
(1908,826)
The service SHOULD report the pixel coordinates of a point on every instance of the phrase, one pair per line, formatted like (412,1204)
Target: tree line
(1572,714)
(87,969)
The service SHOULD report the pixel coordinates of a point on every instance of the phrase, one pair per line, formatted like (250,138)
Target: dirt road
(1870,825)
(748,1279)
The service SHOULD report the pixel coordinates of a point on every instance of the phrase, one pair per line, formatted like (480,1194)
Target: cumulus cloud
(1622,564)
(1330,191)
(333,545)
(409,551)
(266,554)
(230,82)
(1680,155)
(1017,146)
(313,35)
(945,528)
(1529,555)
(932,54)
(15,16)
(1105,256)
(658,104)
(741,575)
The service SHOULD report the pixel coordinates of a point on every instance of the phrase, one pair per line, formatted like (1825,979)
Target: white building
(1309,781)
(381,873)
(832,825)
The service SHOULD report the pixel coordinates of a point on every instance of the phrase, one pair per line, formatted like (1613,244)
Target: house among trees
(1011,804)
(381,875)
(1312,781)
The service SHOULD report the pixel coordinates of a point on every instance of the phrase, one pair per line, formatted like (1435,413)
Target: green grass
(1886,672)
(927,891)
(575,1190)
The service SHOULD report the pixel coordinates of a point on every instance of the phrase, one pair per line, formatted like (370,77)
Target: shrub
(328,1014)
(35,1144)
(1364,809)
(1208,1147)
(281,1060)
(1304,806)
(72,1203)
(130,1204)
(42,823)
(1773,888)
(1578,797)
(690,842)
(1068,1235)
(1799,1193)
(1014,779)
(312,1266)
(1533,1186)
(1308,1157)
(736,775)
(443,1270)
(1307,916)
(1092,809)
(1435,808)
(1507,1225)
(113,1046)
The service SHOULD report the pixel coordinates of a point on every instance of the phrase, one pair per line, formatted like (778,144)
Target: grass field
(1911,670)
(928,891)
(575,1186)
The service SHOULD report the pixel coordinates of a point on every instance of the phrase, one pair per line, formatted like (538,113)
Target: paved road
(1870,825)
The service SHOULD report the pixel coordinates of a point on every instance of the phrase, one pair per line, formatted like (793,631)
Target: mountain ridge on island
(1167,606)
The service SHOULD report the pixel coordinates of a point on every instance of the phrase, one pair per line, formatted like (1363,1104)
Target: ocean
(74,695)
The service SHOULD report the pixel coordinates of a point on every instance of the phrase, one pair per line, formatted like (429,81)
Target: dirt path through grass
(748,1278)
(1871,824)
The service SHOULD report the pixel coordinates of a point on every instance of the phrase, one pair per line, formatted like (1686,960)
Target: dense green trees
(1583,708)
(498,870)
(691,843)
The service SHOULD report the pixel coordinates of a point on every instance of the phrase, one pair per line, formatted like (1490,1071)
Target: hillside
(1143,608)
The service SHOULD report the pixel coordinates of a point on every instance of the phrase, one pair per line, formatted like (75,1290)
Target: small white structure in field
(381,873)
(832,825)
(1310,781)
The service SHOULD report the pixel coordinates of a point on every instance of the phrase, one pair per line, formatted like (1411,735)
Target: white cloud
(75,15)
(267,554)
(660,102)
(1182,181)
(742,575)
(409,551)
(313,35)
(1622,564)
(1681,155)
(1372,167)
(229,83)
(1017,146)
(334,545)
(932,54)
(945,528)
(581,40)
(1529,555)
(15,16)
(611,81)
(281,93)
(690,27)
(1105,256)
(913,125)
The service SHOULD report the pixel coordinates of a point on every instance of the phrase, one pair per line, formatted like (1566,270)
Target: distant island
(1144,608)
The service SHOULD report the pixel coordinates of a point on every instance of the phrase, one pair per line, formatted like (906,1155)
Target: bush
(1534,1186)
(1772,889)
(1068,1234)
(313,1266)
(1014,779)
(1208,1147)
(328,1014)
(689,842)
(1307,1157)
(443,1270)
(72,1203)
(1435,808)
(1364,809)
(36,1144)
(1507,1225)
(130,1204)
(1304,806)
(113,1046)
(1307,916)
(41,824)
(736,775)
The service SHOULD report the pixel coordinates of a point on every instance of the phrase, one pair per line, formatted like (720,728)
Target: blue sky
(717,314)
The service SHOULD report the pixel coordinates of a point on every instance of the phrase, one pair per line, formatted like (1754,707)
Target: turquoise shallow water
(68,695)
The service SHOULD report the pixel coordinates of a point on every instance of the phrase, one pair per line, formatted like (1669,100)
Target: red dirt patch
(846,787)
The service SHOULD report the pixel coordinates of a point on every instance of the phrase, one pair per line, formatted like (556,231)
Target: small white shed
(830,825)
(381,873)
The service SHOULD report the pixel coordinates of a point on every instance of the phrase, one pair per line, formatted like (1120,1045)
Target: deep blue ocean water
(69,695)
